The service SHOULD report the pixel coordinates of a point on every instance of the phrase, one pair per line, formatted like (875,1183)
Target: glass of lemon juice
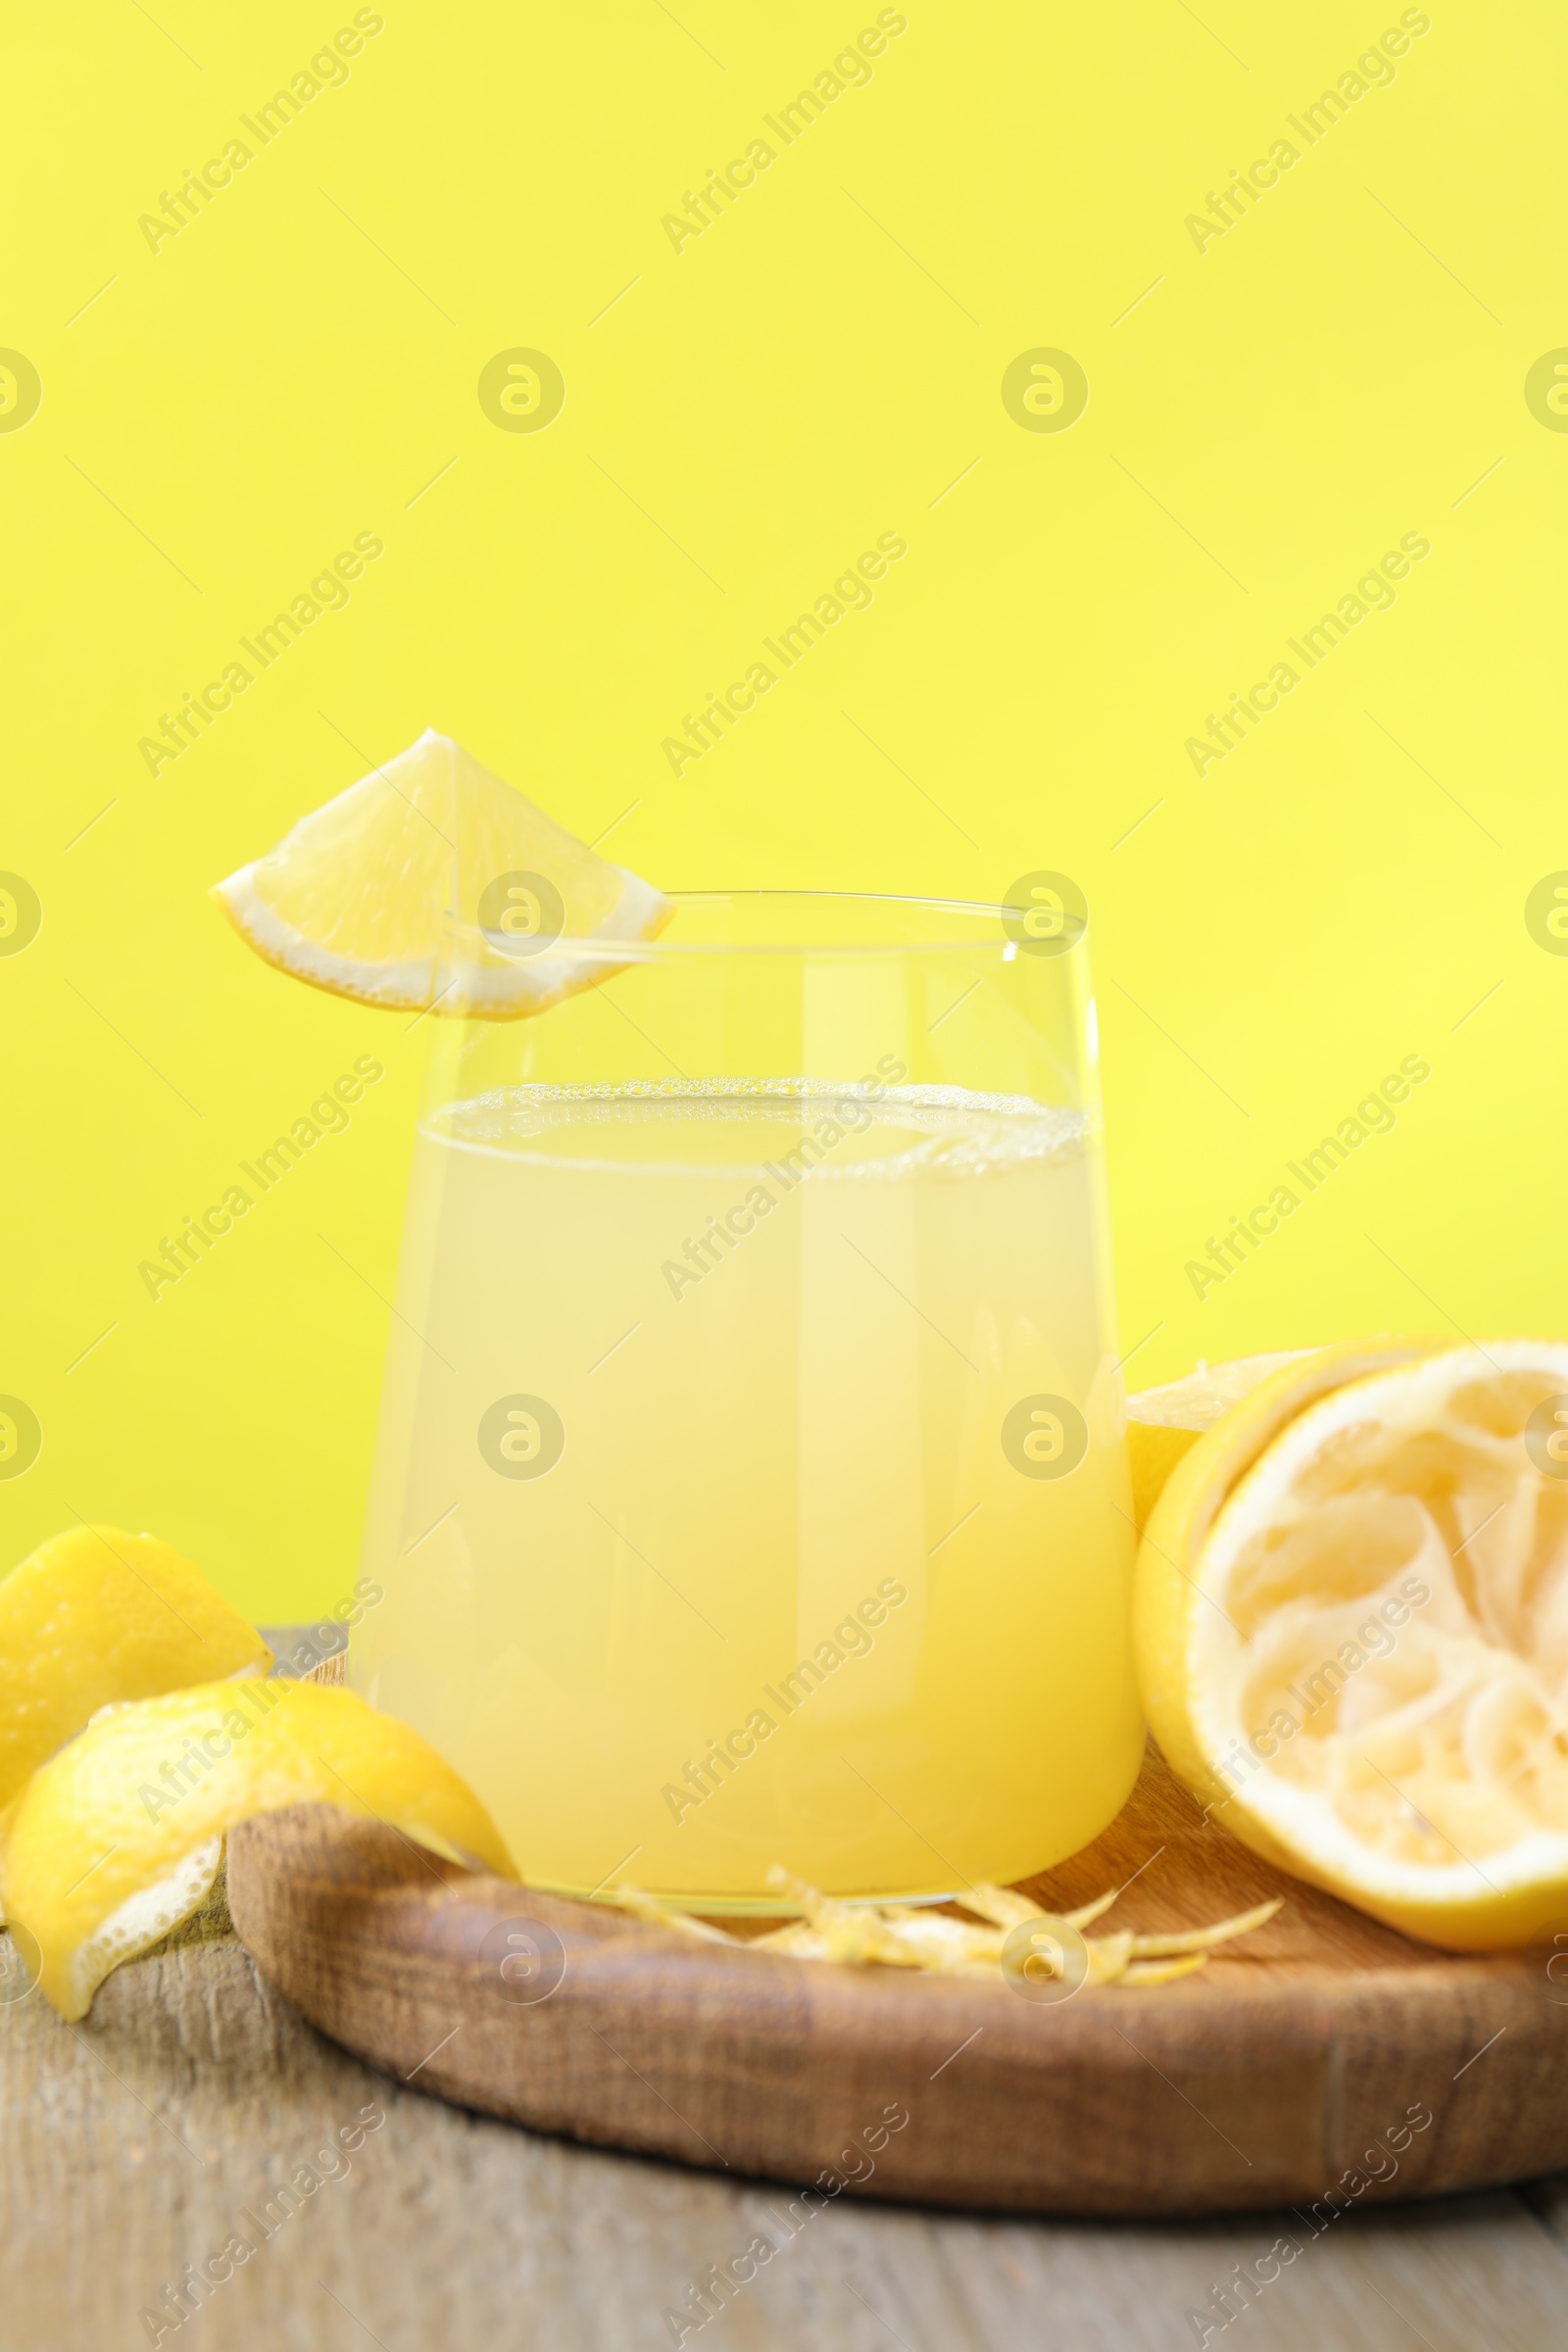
(751,1485)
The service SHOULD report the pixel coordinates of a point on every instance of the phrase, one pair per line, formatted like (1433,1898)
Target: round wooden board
(1293,2066)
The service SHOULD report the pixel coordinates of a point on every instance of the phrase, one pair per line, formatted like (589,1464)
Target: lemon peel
(95,1615)
(1350,1622)
(905,1936)
(432,885)
(117,1838)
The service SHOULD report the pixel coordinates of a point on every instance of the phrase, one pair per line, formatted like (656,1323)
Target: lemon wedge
(118,1837)
(95,1615)
(1350,1619)
(431,884)
(1164,1423)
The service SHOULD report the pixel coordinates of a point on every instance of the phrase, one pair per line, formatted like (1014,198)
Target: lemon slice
(117,1837)
(1164,1423)
(433,885)
(1351,1624)
(95,1615)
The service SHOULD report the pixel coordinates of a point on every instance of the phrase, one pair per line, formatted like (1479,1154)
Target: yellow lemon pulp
(93,1615)
(118,1837)
(1352,1624)
(433,885)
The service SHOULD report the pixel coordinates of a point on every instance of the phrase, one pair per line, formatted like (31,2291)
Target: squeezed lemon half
(1350,1619)
(433,885)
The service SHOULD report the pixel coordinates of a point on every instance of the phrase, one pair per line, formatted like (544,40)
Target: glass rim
(985,918)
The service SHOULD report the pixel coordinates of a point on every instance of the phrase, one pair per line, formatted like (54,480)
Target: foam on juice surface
(735,1125)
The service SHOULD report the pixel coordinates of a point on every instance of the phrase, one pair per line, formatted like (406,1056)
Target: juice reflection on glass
(751,1483)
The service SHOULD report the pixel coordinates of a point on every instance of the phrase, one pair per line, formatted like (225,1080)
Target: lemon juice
(750,1486)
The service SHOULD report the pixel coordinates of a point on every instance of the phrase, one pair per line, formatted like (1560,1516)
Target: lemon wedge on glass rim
(1350,1619)
(432,885)
(137,1728)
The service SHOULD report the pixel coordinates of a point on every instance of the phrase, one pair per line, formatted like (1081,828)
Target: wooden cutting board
(1299,2063)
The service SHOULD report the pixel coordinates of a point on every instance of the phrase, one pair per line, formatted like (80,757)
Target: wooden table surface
(150,2136)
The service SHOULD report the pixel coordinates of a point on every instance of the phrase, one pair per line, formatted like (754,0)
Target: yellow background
(816,369)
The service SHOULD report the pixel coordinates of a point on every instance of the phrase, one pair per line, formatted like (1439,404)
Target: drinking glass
(751,1483)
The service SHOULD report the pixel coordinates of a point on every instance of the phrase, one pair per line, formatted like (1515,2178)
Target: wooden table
(147,2137)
